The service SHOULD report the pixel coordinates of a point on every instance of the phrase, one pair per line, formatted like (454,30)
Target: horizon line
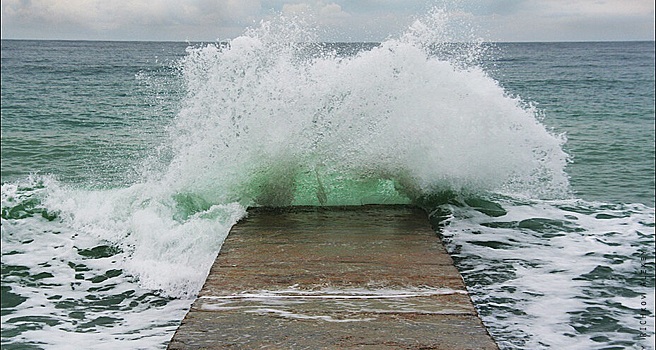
(325,42)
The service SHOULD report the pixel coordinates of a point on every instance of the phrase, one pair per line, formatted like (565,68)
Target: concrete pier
(363,277)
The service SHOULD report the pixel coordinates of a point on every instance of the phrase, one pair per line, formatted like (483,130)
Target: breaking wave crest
(273,119)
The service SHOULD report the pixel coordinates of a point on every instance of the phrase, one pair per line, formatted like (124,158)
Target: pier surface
(362,277)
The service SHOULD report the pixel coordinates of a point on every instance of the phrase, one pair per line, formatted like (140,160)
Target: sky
(336,20)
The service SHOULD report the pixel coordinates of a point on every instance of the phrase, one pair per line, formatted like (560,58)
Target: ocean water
(124,165)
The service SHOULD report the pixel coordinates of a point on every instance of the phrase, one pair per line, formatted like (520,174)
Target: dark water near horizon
(124,165)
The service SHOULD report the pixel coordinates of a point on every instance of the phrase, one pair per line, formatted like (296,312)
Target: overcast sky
(339,20)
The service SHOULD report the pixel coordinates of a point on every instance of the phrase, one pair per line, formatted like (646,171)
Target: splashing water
(266,123)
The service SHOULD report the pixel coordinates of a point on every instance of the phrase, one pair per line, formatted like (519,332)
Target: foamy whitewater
(269,118)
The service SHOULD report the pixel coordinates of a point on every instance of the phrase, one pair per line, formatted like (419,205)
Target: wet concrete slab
(361,277)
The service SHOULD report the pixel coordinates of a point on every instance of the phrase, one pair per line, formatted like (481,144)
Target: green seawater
(602,96)
(86,112)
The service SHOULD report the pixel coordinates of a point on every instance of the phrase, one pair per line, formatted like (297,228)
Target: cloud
(338,20)
(333,10)
(93,12)
(324,12)
(101,18)
(565,20)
